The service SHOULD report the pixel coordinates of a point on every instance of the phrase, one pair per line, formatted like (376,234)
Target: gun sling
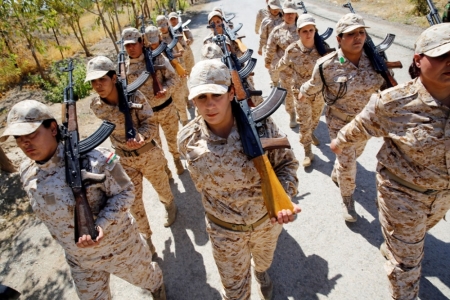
(237,227)
(340,115)
(162,106)
(137,152)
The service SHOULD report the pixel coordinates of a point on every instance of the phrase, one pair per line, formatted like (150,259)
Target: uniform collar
(137,60)
(56,160)
(424,95)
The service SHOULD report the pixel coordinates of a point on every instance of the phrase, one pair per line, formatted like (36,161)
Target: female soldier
(301,56)
(274,19)
(412,171)
(237,220)
(346,80)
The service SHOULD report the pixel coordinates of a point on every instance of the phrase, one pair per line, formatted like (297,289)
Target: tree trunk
(84,45)
(57,42)
(117,17)
(100,13)
(135,16)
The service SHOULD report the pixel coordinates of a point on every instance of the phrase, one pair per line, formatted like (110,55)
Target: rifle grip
(275,197)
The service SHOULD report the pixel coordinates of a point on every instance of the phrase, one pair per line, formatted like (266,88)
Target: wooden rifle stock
(394,64)
(241,45)
(177,66)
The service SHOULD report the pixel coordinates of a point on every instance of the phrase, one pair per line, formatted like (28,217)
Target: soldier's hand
(334,147)
(136,143)
(161,93)
(85,241)
(286,215)
(188,42)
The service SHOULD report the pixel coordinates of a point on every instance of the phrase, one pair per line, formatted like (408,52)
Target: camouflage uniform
(122,248)
(267,26)
(188,55)
(262,13)
(149,164)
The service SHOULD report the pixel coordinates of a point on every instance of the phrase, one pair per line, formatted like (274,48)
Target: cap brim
(353,27)
(438,51)
(305,24)
(133,41)
(274,7)
(206,89)
(19,129)
(95,75)
(153,40)
(290,11)
(163,26)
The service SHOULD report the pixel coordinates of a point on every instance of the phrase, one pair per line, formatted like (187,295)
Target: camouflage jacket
(262,13)
(279,39)
(267,26)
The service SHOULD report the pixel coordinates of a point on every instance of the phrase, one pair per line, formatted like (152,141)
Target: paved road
(318,256)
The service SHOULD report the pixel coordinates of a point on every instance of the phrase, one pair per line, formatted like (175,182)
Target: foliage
(60,79)
(420,7)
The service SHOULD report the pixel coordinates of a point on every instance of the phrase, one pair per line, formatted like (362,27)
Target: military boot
(265,290)
(309,156)
(293,122)
(315,140)
(179,166)
(160,293)
(151,246)
(348,209)
(171,214)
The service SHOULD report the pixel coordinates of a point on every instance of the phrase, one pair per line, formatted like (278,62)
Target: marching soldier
(412,171)
(118,248)
(237,220)
(262,13)
(346,79)
(279,39)
(274,19)
(301,56)
(141,156)
(186,41)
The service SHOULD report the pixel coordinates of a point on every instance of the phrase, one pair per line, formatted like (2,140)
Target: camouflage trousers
(150,165)
(286,83)
(345,164)
(234,251)
(308,116)
(274,74)
(134,265)
(405,217)
(165,118)
(179,97)
(188,58)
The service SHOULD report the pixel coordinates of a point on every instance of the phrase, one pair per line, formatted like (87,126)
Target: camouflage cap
(305,19)
(98,67)
(214,13)
(349,22)
(289,7)
(434,41)
(152,34)
(211,51)
(218,9)
(274,4)
(130,35)
(209,76)
(25,117)
(161,21)
(173,15)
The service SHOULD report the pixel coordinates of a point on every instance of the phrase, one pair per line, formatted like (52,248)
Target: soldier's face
(39,145)
(352,42)
(306,34)
(134,50)
(274,12)
(104,86)
(164,29)
(218,23)
(173,22)
(434,71)
(215,109)
(289,18)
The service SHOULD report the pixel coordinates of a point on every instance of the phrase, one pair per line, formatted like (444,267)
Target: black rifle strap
(325,90)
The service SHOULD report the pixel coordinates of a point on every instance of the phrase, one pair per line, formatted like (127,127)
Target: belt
(162,106)
(340,115)
(408,184)
(136,152)
(237,227)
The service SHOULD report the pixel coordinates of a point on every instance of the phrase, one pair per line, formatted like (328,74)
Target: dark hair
(111,73)
(139,40)
(47,124)
(414,70)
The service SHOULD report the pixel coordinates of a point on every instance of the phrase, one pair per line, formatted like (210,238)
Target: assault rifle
(169,50)
(433,16)
(379,62)
(231,32)
(249,127)
(125,92)
(77,164)
(319,40)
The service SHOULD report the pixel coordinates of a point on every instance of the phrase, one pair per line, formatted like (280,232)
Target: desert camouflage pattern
(302,61)
(262,13)
(267,25)
(165,117)
(150,164)
(349,22)
(415,128)
(231,191)
(130,35)
(434,41)
(121,249)
(233,46)
(361,82)
(241,250)
(188,55)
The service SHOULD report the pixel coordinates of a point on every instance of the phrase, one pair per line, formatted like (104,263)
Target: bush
(60,79)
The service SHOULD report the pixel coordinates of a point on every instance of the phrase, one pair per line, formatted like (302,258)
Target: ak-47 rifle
(319,40)
(249,126)
(379,62)
(433,16)
(231,32)
(76,164)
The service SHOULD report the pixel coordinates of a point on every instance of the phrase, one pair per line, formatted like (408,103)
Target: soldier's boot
(160,293)
(168,172)
(171,214)
(265,290)
(348,209)
(293,122)
(315,140)
(309,156)
(151,246)
(179,166)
